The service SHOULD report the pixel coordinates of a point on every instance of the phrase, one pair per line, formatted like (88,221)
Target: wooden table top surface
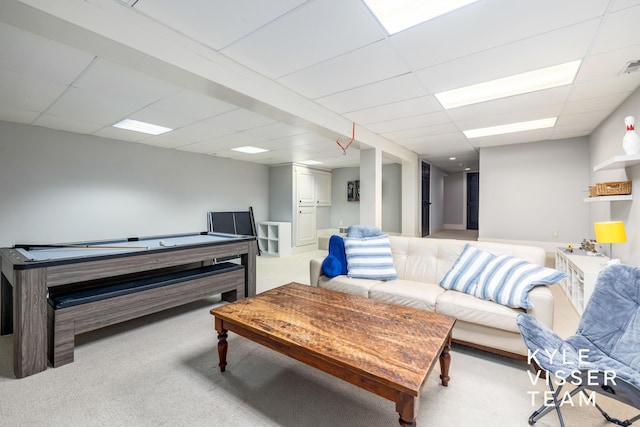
(388,343)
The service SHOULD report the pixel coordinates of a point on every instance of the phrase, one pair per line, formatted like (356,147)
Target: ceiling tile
(619,30)
(84,105)
(374,95)
(216,23)
(486,25)
(411,122)
(396,110)
(310,34)
(67,124)
(529,54)
(116,81)
(27,92)
(372,63)
(193,105)
(36,56)
(199,131)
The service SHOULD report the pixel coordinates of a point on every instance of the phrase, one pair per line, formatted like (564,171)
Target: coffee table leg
(445,361)
(407,407)
(222,344)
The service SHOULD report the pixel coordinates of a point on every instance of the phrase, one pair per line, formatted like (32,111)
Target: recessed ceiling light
(398,15)
(138,126)
(510,128)
(310,162)
(452,158)
(250,150)
(544,78)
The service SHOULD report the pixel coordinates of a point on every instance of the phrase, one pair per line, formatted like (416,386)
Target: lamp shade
(610,232)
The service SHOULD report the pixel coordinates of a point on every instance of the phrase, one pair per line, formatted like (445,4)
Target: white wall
(606,142)
(530,191)
(61,187)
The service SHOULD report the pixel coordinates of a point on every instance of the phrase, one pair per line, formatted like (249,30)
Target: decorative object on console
(610,232)
(631,140)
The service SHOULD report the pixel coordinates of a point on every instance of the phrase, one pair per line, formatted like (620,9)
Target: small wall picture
(353,191)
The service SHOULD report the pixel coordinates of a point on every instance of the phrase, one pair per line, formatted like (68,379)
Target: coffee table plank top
(387,343)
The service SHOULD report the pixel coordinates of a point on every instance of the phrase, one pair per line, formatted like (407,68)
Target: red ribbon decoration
(353,135)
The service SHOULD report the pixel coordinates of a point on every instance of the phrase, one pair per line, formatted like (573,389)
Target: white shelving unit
(582,272)
(274,238)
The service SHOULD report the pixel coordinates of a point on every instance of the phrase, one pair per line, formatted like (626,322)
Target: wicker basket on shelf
(612,188)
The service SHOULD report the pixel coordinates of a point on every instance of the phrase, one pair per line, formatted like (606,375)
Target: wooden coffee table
(384,348)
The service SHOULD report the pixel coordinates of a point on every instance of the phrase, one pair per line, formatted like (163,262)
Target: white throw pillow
(370,258)
(463,274)
(507,280)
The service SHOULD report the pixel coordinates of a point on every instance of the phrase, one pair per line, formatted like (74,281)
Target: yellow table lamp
(610,232)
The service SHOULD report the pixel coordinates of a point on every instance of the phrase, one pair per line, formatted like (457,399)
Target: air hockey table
(29,270)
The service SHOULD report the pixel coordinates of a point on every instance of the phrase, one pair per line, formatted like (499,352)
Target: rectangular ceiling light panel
(137,126)
(398,15)
(249,149)
(511,128)
(544,78)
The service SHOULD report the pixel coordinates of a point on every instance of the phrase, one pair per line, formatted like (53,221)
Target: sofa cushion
(348,285)
(370,258)
(507,280)
(407,292)
(463,274)
(474,310)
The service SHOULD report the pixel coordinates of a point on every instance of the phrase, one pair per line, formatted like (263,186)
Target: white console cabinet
(582,272)
(274,238)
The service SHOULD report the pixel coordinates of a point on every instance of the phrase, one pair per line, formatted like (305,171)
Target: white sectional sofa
(421,263)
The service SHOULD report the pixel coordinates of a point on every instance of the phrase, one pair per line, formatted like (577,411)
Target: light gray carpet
(162,370)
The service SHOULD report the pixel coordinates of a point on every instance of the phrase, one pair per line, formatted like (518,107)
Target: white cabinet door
(323,189)
(305,187)
(305,226)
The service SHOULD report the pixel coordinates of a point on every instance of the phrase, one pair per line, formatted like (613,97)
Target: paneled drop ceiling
(292,76)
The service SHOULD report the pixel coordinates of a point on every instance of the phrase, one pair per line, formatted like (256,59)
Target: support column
(411,198)
(371,187)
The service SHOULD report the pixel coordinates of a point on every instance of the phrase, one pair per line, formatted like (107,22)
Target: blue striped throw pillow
(370,258)
(507,280)
(463,275)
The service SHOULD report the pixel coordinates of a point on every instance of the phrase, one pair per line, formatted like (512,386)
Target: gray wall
(530,191)
(454,201)
(606,142)
(59,187)
(437,199)
(345,213)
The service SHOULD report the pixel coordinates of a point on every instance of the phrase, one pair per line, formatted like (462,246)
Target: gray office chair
(604,354)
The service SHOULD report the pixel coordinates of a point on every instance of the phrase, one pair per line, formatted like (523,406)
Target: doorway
(426,197)
(473,196)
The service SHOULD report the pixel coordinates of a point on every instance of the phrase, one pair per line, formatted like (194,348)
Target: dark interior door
(426,195)
(473,196)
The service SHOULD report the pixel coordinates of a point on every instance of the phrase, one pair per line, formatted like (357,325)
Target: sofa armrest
(542,300)
(315,270)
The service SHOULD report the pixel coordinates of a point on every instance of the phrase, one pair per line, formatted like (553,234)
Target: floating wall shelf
(609,198)
(618,162)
